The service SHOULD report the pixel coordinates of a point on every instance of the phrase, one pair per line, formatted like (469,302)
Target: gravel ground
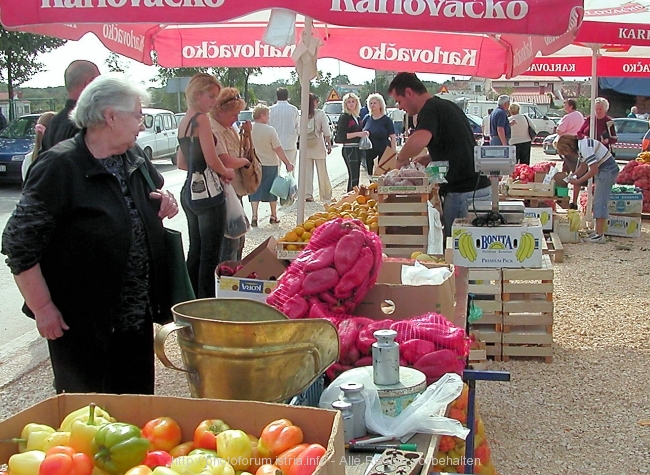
(586,412)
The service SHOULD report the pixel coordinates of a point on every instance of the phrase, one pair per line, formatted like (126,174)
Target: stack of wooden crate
(403,222)
(485,285)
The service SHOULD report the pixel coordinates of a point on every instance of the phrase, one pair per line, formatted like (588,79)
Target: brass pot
(246,350)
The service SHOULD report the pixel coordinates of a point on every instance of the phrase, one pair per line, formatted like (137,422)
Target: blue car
(16,141)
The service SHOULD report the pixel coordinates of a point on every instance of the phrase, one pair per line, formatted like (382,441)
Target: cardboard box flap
(263,260)
(387,162)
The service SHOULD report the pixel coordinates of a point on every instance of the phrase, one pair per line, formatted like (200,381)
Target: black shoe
(573,206)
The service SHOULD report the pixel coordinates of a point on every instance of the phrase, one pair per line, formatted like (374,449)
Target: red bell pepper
(63,460)
(287,458)
(205,434)
(164,433)
(277,437)
(307,461)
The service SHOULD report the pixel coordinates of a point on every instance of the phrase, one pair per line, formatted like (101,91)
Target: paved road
(21,348)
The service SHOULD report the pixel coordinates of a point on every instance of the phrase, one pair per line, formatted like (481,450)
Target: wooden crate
(486,286)
(552,246)
(528,341)
(420,185)
(284,252)
(477,358)
(403,223)
(488,336)
(531,190)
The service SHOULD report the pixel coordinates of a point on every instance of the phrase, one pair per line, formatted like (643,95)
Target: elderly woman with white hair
(380,127)
(86,246)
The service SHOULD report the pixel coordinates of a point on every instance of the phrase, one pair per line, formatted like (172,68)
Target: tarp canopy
(632,86)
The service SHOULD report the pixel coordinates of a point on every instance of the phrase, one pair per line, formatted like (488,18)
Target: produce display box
(420,185)
(544,214)
(552,246)
(623,226)
(289,250)
(562,230)
(238,288)
(531,190)
(403,223)
(626,203)
(528,341)
(319,425)
(506,246)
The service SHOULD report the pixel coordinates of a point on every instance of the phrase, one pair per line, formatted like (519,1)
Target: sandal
(310,200)
(254,221)
(274,220)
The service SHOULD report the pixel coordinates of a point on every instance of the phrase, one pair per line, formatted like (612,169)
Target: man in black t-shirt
(443,128)
(77,76)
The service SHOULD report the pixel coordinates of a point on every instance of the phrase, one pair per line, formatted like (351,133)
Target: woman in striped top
(594,160)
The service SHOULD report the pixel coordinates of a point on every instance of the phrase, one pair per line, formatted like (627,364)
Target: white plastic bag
(236,220)
(422,416)
(436,236)
(419,274)
(365,143)
(292,193)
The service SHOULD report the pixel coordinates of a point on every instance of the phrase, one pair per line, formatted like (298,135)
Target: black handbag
(179,279)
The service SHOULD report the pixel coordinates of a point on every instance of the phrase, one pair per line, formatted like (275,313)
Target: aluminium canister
(385,358)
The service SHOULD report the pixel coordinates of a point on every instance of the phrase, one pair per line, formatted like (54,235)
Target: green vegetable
(117,447)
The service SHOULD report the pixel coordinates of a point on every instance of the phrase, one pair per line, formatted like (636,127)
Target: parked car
(160,136)
(16,141)
(476,123)
(630,133)
(333,110)
(179,116)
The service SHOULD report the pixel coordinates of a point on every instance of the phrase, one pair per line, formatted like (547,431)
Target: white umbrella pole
(592,126)
(304,120)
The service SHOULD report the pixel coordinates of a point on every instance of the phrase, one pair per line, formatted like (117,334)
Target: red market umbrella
(380,34)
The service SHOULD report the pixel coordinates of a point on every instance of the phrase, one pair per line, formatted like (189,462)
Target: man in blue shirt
(499,125)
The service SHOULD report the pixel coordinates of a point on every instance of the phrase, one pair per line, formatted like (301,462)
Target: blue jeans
(352,157)
(604,181)
(205,229)
(495,140)
(455,205)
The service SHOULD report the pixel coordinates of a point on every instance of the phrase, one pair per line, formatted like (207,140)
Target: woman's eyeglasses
(233,98)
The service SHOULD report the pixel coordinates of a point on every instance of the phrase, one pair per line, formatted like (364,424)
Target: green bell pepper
(117,447)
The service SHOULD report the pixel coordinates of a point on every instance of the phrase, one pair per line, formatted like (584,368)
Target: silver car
(159,139)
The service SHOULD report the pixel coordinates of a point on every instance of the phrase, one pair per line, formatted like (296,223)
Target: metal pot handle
(159,344)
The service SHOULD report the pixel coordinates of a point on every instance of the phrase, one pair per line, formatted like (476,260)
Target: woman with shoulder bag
(520,136)
(319,146)
(348,133)
(206,215)
(223,116)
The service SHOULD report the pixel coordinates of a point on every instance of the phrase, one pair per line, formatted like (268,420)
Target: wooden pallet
(528,341)
(552,246)
(403,223)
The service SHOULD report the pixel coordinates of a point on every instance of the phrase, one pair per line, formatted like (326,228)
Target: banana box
(545,216)
(506,246)
(625,203)
(623,226)
(238,288)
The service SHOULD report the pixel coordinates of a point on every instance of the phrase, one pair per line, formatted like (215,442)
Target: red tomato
(307,461)
(60,463)
(287,458)
(205,434)
(163,433)
(182,449)
(268,469)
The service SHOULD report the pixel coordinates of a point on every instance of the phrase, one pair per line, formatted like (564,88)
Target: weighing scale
(496,161)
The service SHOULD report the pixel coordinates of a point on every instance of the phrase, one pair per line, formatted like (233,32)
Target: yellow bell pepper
(83,432)
(101,417)
(26,463)
(56,438)
(235,447)
(163,471)
(190,464)
(218,466)
(33,437)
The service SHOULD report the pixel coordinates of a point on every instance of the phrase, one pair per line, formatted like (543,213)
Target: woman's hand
(168,204)
(49,322)
(289,167)
(247,126)
(228,175)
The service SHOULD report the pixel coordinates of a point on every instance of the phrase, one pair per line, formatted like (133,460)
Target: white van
(160,136)
(543,124)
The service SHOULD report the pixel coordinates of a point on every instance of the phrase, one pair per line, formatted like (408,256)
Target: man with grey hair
(77,76)
(499,125)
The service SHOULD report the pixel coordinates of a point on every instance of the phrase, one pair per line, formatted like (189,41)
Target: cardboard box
(409,300)
(420,185)
(497,246)
(263,261)
(626,203)
(319,425)
(238,288)
(545,216)
(623,226)
(387,161)
(285,252)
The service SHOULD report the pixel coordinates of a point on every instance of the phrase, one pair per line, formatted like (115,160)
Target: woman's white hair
(380,99)
(107,91)
(604,102)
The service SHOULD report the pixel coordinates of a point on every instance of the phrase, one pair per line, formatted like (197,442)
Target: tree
(116,64)
(239,78)
(18,53)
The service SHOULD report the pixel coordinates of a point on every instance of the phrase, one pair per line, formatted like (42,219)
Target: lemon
(306,236)
(298,230)
(415,254)
(292,247)
(291,237)
(361,199)
(309,225)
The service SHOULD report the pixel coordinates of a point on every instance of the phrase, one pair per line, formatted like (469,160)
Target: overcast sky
(90,48)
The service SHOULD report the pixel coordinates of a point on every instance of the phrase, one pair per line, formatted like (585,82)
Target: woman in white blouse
(520,137)
(319,146)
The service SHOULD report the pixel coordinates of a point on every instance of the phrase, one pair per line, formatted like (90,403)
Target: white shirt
(519,129)
(285,120)
(485,126)
(592,151)
(570,123)
(265,139)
